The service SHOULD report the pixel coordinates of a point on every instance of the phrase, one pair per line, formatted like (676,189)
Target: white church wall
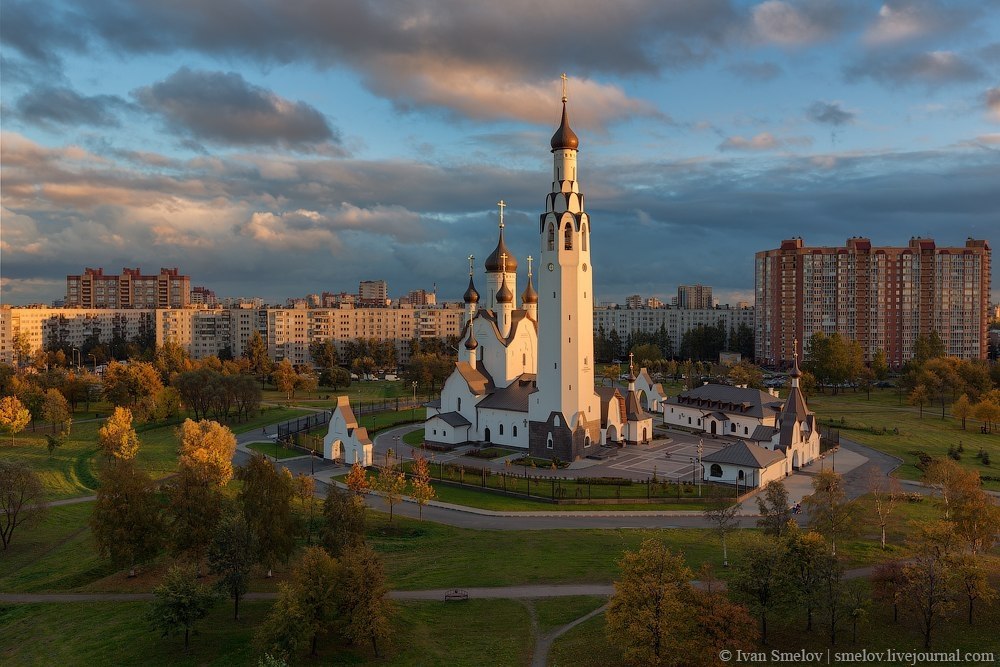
(506,427)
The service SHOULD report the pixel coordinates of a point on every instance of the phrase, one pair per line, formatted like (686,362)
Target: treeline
(785,574)
(701,343)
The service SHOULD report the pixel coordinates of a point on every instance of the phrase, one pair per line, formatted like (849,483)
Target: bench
(456,595)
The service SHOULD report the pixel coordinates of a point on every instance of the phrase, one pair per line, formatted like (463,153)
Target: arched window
(556,420)
(732,427)
(715,470)
(741,475)
(548,441)
(459,403)
(501,429)
(568,237)
(583,237)
(515,430)
(552,237)
(586,441)
(524,359)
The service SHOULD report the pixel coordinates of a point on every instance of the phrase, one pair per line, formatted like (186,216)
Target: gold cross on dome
(503,262)
(795,348)
(563,77)
(502,204)
(530,258)
(630,356)
(472,259)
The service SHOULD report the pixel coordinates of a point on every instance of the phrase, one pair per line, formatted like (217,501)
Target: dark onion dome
(471,343)
(529,295)
(505,295)
(796,373)
(565,137)
(471,295)
(494,263)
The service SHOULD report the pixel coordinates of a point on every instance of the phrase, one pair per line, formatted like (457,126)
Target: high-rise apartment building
(130,289)
(695,297)
(676,321)
(882,297)
(373,294)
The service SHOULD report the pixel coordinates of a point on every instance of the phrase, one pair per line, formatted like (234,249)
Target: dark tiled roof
(453,419)
(633,408)
(742,454)
(762,433)
(512,397)
(752,402)
(436,403)
(607,394)
(477,378)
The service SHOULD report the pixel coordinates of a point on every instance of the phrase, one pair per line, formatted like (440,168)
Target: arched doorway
(713,427)
(612,433)
(643,400)
(795,460)
(486,434)
(645,435)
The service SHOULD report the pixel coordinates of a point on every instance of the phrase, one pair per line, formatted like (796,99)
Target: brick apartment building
(130,289)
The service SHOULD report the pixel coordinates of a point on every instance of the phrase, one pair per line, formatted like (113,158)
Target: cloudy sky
(284,147)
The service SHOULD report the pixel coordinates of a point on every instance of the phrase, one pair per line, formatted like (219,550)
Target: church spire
(493,261)
(565,137)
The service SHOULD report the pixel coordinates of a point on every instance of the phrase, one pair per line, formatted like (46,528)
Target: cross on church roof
(563,77)
(530,258)
(502,204)
(630,356)
(472,259)
(503,262)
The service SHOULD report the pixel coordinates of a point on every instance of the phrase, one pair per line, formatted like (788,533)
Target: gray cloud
(764,141)
(64,106)
(799,22)
(932,69)
(224,108)
(830,113)
(756,71)
(992,99)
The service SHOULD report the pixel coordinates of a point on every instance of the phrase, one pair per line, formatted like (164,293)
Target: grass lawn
(414,438)
(554,613)
(584,646)
(272,449)
(856,416)
(477,632)
(71,471)
(472,497)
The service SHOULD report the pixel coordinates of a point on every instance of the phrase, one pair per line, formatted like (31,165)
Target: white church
(525,376)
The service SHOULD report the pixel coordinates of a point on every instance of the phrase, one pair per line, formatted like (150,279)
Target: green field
(71,471)
(477,632)
(275,450)
(856,417)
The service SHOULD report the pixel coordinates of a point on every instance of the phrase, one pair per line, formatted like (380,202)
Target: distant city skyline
(292,152)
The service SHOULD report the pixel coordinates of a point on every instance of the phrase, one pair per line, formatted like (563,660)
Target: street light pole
(701,449)
(413,410)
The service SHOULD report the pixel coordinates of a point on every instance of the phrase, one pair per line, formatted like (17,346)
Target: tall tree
(179,602)
(420,484)
(973,579)
(56,410)
(13,416)
(920,396)
(207,449)
(126,520)
(194,509)
(363,601)
(645,616)
(304,488)
(962,409)
(805,557)
(724,519)
(760,578)
(256,353)
(343,521)
(887,583)
(880,365)
(357,480)
(285,378)
(830,512)
(232,555)
(391,483)
(266,500)
(775,512)
(21,493)
(885,493)
(134,385)
(117,438)
(929,584)
(307,605)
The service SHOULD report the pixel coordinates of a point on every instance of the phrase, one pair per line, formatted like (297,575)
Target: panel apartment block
(882,297)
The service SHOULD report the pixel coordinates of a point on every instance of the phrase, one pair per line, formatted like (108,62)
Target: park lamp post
(75,356)
(692,470)
(701,449)
(413,410)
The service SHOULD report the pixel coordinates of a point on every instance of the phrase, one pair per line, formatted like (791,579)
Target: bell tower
(565,414)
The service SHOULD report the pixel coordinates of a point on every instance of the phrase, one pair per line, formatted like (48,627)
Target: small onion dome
(796,373)
(495,263)
(505,295)
(471,295)
(471,343)
(529,295)
(565,137)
